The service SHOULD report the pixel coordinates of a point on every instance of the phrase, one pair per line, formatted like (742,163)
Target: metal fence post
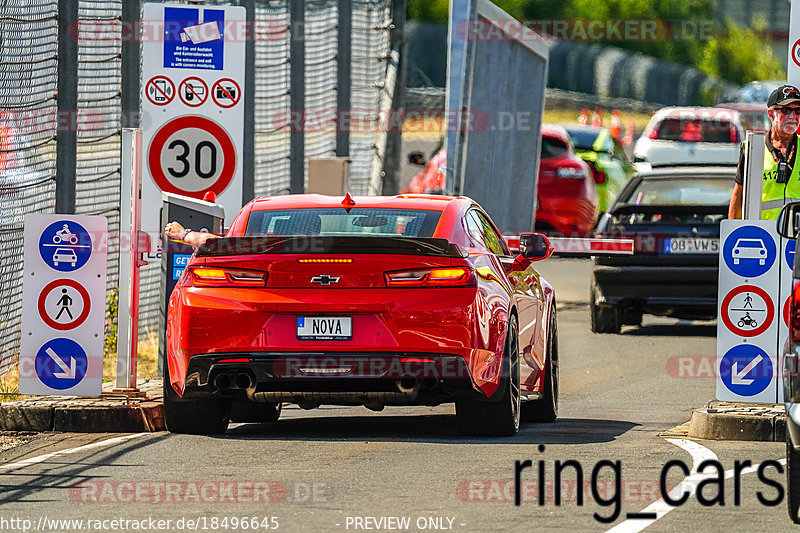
(394,141)
(343,75)
(67,87)
(131,67)
(297,75)
(248,150)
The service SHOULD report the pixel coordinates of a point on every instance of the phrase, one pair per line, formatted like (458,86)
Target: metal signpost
(63,309)
(192,106)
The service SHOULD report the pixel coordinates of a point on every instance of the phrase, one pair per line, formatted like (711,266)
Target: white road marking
(688,485)
(42,458)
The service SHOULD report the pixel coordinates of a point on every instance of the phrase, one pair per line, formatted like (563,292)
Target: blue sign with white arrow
(65,245)
(789,253)
(749,251)
(746,370)
(61,363)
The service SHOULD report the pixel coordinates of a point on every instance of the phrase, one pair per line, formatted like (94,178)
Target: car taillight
(794,316)
(599,175)
(434,277)
(224,277)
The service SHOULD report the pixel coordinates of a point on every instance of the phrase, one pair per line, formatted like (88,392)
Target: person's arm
(177,232)
(735,209)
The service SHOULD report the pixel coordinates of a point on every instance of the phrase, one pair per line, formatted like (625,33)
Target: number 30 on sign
(192,155)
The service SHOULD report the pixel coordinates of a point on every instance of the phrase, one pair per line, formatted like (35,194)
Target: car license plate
(324,328)
(691,245)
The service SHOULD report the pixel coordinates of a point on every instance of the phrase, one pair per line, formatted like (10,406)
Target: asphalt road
(349,469)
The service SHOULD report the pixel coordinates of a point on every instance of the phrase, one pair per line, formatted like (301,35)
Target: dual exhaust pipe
(242,380)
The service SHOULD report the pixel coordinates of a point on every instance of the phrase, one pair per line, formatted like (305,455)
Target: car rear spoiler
(329,245)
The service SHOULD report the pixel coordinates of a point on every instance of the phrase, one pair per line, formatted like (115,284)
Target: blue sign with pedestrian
(61,363)
(192,43)
(746,370)
(749,251)
(65,245)
(789,253)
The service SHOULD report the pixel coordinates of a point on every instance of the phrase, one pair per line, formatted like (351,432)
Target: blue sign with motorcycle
(65,245)
(749,251)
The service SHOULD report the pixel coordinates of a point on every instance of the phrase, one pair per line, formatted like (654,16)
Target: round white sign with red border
(796,52)
(192,155)
(226,93)
(160,90)
(64,304)
(193,91)
(747,311)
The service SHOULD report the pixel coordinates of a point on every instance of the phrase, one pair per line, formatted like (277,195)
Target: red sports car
(374,301)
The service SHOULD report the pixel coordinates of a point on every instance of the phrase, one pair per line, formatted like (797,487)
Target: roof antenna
(348,203)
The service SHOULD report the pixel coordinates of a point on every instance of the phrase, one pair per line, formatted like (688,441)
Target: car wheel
(207,416)
(545,409)
(499,416)
(605,318)
(792,479)
(262,413)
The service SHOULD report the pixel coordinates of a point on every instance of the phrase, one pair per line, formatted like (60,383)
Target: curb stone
(739,421)
(87,415)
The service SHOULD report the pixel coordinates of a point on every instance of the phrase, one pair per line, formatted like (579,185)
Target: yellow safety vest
(773,194)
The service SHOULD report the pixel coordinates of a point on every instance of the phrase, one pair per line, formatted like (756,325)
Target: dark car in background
(673,215)
(605,156)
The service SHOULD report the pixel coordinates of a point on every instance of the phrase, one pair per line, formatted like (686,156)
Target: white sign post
(793,71)
(192,110)
(752,311)
(63,305)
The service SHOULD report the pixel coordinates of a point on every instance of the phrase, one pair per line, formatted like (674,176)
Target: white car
(749,249)
(65,255)
(690,135)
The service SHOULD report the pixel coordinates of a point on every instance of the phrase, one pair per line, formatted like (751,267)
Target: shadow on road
(428,428)
(672,330)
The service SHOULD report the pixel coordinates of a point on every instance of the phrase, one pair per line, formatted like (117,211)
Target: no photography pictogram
(226,93)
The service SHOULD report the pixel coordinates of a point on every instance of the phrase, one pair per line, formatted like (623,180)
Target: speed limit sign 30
(192,155)
(193,134)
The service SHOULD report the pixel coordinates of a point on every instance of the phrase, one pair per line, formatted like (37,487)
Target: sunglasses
(789,110)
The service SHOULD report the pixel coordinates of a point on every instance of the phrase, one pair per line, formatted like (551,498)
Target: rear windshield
(552,147)
(338,222)
(583,139)
(696,130)
(682,191)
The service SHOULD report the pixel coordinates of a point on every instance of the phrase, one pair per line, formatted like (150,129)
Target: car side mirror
(416,158)
(789,220)
(534,247)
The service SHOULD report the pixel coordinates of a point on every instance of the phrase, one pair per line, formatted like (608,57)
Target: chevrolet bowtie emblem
(325,280)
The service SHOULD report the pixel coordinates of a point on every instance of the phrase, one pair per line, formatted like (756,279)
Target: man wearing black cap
(781,181)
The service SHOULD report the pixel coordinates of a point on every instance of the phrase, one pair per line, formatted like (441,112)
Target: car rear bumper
(689,292)
(310,379)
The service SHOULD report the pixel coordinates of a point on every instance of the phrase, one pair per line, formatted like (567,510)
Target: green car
(604,154)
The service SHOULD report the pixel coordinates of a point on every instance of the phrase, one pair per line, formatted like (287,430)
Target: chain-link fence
(30,122)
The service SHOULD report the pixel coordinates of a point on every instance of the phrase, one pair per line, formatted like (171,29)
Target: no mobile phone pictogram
(160,90)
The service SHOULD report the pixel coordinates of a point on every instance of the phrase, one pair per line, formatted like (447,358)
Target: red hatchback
(376,301)
(567,194)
